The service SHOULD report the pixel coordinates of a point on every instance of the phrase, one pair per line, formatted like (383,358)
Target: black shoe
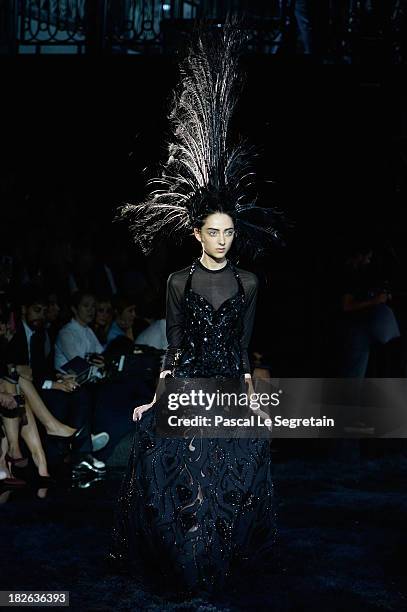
(65,443)
(75,436)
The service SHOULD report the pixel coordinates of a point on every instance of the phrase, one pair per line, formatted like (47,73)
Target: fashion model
(197,512)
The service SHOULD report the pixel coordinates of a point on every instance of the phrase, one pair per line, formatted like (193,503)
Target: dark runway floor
(342,541)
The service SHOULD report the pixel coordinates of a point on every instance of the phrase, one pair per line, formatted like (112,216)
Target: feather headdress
(204,173)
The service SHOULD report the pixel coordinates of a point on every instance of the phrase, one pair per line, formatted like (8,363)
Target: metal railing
(51,22)
(105,24)
(157,26)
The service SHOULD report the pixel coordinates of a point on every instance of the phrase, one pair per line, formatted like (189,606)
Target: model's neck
(211,263)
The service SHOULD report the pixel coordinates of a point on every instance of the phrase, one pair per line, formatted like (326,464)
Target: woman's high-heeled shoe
(22,462)
(75,436)
(12,481)
(64,444)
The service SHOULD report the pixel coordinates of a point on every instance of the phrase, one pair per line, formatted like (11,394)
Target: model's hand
(138,412)
(249,385)
(165,373)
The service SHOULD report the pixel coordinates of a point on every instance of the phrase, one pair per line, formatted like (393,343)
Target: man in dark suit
(30,350)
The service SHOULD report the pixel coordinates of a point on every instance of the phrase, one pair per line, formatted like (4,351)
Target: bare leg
(3,451)
(12,429)
(51,424)
(12,426)
(4,497)
(31,437)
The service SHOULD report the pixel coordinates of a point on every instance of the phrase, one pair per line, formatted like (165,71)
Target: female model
(196,512)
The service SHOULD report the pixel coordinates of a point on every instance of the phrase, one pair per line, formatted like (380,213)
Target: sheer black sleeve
(174,317)
(250,284)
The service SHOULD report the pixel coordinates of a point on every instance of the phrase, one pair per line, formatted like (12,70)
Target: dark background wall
(80,137)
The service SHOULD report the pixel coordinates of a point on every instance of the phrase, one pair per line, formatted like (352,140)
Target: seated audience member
(155,334)
(76,338)
(16,420)
(126,322)
(113,402)
(30,354)
(30,348)
(103,319)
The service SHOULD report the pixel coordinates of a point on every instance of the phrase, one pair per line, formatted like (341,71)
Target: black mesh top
(215,286)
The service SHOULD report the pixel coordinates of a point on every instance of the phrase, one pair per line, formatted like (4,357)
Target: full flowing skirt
(195,514)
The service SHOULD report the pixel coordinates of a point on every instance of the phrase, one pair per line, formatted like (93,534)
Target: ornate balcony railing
(129,24)
(52,22)
(158,26)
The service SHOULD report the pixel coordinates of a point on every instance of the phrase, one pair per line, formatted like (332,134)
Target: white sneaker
(89,463)
(99,465)
(99,440)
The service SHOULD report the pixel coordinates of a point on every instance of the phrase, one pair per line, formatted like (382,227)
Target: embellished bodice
(209,320)
(211,342)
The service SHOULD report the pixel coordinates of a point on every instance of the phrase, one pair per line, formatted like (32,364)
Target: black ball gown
(198,513)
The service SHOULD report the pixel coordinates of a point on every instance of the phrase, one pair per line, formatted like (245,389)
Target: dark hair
(103,299)
(77,297)
(122,301)
(209,204)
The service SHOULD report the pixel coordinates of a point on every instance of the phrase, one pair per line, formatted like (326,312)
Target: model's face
(85,313)
(216,235)
(126,319)
(103,314)
(34,315)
